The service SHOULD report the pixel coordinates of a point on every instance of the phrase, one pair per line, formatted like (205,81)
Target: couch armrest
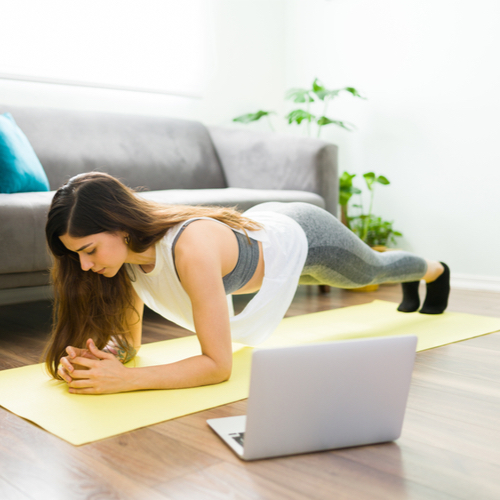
(262,160)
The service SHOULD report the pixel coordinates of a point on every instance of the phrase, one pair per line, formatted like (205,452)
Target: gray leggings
(337,257)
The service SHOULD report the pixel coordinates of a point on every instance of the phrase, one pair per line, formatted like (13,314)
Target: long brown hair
(87,304)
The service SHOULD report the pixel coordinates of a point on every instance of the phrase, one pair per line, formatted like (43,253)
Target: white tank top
(284,246)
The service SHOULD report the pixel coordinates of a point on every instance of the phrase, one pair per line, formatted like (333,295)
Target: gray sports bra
(248,258)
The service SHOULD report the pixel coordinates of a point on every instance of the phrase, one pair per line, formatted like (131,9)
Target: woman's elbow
(217,369)
(223,373)
(226,375)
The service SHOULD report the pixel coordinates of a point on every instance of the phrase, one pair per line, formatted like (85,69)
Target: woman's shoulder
(200,233)
(205,247)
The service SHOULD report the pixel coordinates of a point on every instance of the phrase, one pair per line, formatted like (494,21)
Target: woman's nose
(85,262)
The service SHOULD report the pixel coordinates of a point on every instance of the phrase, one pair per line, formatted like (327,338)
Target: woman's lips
(101,271)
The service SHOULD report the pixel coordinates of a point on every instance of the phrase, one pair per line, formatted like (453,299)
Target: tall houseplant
(318,97)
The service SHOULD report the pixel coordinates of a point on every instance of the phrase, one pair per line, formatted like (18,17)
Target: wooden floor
(449,449)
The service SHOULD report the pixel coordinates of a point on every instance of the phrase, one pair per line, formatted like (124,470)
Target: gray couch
(176,161)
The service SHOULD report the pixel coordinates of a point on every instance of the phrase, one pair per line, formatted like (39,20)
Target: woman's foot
(411,300)
(434,270)
(438,291)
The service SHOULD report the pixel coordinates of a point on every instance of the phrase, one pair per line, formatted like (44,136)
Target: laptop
(322,396)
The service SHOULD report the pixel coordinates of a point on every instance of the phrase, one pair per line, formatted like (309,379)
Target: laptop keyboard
(238,437)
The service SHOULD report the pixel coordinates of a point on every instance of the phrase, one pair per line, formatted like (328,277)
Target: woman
(115,251)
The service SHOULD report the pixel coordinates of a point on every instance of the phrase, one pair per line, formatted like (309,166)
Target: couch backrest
(154,152)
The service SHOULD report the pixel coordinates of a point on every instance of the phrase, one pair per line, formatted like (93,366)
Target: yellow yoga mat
(31,394)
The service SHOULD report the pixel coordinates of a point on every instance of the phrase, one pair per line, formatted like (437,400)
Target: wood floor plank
(462,438)
(226,480)
(429,471)
(462,360)
(461,407)
(193,429)
(334,474)
(148,457)
(158,328)
(9,491)
(489,342)
(43,467)
(450,473)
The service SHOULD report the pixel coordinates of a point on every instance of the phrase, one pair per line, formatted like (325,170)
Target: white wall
(430,71)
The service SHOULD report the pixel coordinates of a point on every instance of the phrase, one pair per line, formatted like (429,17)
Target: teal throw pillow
(20,168)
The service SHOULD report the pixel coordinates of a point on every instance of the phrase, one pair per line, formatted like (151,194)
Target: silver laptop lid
(330,395)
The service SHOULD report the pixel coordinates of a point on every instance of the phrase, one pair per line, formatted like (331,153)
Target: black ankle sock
(411,300)
(438,291)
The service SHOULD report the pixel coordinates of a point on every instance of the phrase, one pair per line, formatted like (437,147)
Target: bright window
(161,46)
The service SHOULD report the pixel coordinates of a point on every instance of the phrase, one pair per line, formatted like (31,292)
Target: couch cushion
(21,280)
(22,227)
(22,232)
(154,152)
(20,169)
(257,160)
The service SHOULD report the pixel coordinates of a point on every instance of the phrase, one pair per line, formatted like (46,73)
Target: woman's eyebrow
(84,247)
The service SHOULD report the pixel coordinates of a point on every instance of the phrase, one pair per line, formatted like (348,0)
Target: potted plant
(372,229)
(346,190)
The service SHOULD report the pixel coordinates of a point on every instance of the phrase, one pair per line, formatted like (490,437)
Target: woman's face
(102,253)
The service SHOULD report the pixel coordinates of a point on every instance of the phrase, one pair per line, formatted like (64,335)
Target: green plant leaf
(317,86)
(331,94)
(299,95)
(322,92)
(298,116)
(324,120)
(354,92)
(382,180)
(351,190)
(252,117)
(369,179)
(345,194)
(376,231)
(345,179)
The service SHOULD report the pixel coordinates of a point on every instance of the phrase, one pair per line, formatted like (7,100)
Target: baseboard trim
(471,282)
(25,294)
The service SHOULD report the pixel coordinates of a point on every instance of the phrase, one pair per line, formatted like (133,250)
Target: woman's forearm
(104,374)
(190,372)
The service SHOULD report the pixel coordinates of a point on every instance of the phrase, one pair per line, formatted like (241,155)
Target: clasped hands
(91,371)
